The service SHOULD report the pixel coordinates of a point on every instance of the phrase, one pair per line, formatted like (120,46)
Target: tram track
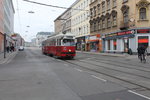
(98,58)
(109,75)
(115,69)
(121,66)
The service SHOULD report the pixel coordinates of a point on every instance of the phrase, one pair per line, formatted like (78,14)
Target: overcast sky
(41,20)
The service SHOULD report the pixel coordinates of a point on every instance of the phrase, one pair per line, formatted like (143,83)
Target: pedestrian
(7,48)
(141,50)
(12,48)
(130,51)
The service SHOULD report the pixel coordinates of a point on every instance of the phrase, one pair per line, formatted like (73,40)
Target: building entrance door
(126,45)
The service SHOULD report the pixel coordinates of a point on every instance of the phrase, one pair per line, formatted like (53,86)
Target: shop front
(94,43)
(123,41)
(119,42)
(80,43)
(143,37)
(1,42)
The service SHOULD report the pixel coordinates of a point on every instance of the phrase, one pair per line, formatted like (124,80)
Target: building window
(143,40)
(124,1)
(91,12)
(108,22)
(143,13)
(99,25)
(114,22)
(126,16)
(103,6)
(94,11)
(108,4)
(103,24)
(114,3)
(98,8)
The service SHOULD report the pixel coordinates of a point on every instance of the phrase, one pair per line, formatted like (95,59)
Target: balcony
(124,25)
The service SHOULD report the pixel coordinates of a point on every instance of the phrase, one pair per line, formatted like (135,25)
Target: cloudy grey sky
(41,20)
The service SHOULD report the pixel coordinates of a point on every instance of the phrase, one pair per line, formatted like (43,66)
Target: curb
(8,58)
(105,54)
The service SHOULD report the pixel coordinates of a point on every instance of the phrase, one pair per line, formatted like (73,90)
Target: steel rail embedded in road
(121,62)
(121,66)
(130,82)
(116,70)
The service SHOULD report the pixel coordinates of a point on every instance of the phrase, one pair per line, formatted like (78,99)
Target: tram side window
(68,42)
(58,42)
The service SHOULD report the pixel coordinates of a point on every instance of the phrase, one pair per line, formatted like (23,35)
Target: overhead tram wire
(18,15)
(70,7)
(53,5)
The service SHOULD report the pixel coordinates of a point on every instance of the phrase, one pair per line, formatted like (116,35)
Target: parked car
(21,48)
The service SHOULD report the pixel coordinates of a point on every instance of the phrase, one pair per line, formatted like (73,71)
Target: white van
(21,48)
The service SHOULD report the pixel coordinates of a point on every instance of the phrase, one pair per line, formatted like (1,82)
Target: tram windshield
(68,42)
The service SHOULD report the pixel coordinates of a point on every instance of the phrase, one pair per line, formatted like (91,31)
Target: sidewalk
(9,57)
(107,54)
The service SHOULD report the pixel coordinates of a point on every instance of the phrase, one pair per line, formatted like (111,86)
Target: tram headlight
(69,50)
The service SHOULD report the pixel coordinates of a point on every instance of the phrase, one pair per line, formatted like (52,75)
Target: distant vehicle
(61,45)
(21,48)
(148,50)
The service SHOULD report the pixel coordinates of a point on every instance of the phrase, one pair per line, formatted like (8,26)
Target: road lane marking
(66,64)
(99,78)
(139,94)
(78,69)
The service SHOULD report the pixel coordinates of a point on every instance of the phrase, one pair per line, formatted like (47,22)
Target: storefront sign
(143,31)
(125,33)
(119,34)
(93,37)
(110,35)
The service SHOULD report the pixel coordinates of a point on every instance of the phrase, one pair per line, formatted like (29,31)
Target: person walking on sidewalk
(7,48)
(142,53)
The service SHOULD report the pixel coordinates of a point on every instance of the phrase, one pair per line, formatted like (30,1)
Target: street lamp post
(4,45)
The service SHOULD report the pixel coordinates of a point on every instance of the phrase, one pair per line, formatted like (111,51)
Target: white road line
(78,69)
(139,94)
(66,64)
(99,78)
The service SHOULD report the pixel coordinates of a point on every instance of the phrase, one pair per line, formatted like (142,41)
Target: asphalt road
(34,76)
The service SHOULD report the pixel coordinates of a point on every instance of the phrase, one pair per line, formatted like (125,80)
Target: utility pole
(4,45)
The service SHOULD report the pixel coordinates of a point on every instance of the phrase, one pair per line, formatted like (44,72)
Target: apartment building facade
(119,25)
(1,25)
(63,22)
(58,25)
(6,22)
(80,26)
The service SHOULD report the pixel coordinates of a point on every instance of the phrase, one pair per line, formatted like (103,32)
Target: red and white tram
(61,45)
